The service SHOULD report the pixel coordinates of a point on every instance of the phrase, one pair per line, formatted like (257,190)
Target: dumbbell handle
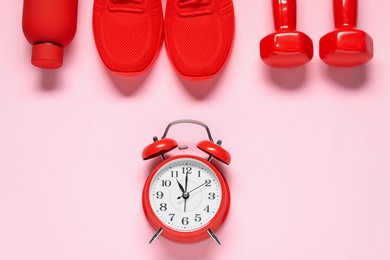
(285,14)
(345,13)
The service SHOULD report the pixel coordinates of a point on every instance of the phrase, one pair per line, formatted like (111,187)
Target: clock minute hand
(186,183)
(185,194)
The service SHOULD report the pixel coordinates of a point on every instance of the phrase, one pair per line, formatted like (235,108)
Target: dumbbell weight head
(286,47)
(346,46)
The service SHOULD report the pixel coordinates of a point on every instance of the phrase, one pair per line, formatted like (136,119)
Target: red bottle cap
(47,56)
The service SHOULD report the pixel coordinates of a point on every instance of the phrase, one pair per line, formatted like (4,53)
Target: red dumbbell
(346,46)
(287,47)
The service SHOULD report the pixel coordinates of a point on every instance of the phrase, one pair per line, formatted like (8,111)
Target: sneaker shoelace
(120,6)
(194,5)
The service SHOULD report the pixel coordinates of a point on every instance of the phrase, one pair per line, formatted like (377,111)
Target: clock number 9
(159,194)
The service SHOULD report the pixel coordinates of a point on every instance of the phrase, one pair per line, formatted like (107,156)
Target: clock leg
(158,233)
(213,236)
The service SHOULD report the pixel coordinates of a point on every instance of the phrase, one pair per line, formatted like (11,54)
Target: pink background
(310,174)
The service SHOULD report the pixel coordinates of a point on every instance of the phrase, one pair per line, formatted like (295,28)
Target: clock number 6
(185,221)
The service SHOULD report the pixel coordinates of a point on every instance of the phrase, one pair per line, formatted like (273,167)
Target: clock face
(185,194)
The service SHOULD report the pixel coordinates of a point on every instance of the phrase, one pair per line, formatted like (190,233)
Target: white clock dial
(181,205)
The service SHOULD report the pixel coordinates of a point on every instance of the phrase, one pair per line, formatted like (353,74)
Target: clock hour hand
(186,194)
(180,186)
(183,196)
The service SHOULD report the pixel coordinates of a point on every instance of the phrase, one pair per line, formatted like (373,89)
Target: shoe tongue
(126,1)
(194,3)
(193,8)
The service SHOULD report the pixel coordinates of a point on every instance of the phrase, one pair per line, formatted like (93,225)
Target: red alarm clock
(186,198)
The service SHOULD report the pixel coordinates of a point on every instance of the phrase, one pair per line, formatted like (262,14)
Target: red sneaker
(199,36)
(128,33)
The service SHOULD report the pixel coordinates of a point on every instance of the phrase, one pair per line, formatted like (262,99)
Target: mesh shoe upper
(199,35)
(128,33)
